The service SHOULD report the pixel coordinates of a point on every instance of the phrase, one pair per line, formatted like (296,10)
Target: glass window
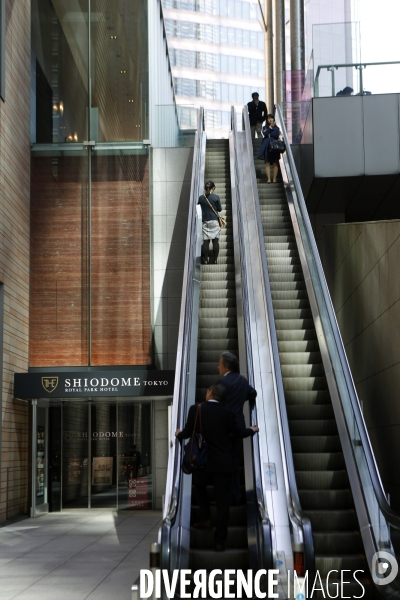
(231,8)
(246,38)
(246,66)
(253,39)
(247,91)
(232,92)
(232,65)
(260,41)
(239,94)
(169,27)
(239,65)
(238,9)
(261,68)
(246,10)
(239,37)
(223,8)
(224,63)
(254,67)
(231,36)
(224,92)
(224,35)
(225,117)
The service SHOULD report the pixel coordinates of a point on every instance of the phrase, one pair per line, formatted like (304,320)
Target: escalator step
(317,427)
(218,334)
(214,313)
(298,346)
(327,520)
(228,292)
(310,412)
(305,370)
(303,384)
(237,538)
(322,480)
(209,560)
(218,303)
(217,322)
(300,358)
(338,542)
(296,335)
(308,461)
(316,443)
(292,313)
(325,499)
(237,515)
(288,286)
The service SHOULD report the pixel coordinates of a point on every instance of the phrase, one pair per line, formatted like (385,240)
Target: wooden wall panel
(14,254)
(58,307)
(121,329)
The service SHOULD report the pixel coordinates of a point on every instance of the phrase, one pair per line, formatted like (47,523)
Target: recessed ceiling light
(123,71)
(113,37)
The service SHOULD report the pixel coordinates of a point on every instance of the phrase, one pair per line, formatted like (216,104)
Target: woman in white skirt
(210,207)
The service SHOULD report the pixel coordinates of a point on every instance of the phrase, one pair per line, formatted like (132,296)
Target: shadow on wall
(361,267)
(172,172)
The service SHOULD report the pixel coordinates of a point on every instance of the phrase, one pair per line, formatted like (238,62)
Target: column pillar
(280,54)
(269,55)
(297,59)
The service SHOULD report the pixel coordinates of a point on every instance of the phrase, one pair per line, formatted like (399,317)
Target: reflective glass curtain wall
(90,254)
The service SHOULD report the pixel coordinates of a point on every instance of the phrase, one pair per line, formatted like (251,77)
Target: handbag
(221,220)
(195,451)
(276,145)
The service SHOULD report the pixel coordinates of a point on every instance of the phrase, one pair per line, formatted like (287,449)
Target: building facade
(217,55)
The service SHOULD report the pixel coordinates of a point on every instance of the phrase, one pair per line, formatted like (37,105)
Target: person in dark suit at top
(238,390)
(257,114)
(219,427)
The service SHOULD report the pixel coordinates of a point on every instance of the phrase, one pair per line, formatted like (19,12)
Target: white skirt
(211,230)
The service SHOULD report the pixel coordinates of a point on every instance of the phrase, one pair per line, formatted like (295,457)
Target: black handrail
(297,519)
(392,518)
(267,548)
(183,396)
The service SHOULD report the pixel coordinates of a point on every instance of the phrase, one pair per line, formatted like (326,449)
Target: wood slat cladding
(121,328)
(59,280)
(14,254)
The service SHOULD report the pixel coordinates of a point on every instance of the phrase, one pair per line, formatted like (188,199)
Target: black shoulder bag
(195,451)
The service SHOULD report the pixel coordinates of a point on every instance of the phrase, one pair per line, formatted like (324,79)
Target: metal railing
(178,488)
(263,524)
(300,525)
(375,516)
(358,66)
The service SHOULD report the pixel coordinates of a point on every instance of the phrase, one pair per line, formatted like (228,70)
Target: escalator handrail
(267,550)
(301,524)
(181,392)
(389,514)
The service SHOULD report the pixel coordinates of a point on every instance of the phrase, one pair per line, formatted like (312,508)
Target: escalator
(322,479)
(337,481)
(217,334)
(209,325)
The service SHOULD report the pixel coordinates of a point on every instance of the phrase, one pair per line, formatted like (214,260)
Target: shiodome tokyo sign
(93,383)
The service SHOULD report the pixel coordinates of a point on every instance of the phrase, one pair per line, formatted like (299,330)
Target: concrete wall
(14,255)
(361,266)
(172,172)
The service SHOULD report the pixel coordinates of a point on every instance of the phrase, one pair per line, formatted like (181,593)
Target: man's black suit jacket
(257,112)
(238,390)
(218,426)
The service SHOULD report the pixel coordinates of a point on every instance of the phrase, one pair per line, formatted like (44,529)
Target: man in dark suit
(257,114)
(238,390)
(219,427)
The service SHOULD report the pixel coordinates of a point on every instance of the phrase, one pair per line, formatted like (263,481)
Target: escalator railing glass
(375,515)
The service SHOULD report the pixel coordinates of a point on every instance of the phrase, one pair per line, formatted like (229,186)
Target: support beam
(269,55)
(280,54)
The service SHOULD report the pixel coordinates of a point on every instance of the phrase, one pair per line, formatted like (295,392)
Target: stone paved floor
(76,555)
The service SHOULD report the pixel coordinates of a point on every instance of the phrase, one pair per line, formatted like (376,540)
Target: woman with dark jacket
(210,207)
(271,130)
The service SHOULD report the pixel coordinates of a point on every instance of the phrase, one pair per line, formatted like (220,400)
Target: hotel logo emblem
(49,383)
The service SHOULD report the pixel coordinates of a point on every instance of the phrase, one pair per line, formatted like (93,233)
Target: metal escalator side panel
(300,525)
(273,486)
(369,498)
(174,534)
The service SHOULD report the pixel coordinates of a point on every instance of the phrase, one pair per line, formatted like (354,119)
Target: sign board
(93,384)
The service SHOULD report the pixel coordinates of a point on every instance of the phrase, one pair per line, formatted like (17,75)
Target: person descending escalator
(270,130)
(210,207)
(219,427)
